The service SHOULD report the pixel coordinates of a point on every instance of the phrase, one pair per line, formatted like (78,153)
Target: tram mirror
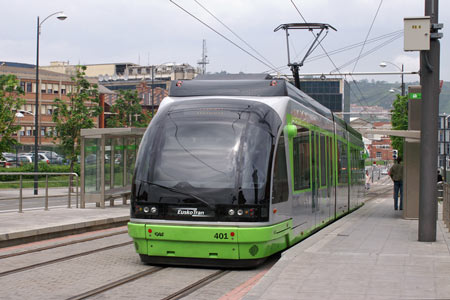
(290,130)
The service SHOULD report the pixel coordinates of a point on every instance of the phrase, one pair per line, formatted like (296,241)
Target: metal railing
(46,174)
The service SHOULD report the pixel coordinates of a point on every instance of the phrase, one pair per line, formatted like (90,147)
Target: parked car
(12,162)
(53,157)
(41,157)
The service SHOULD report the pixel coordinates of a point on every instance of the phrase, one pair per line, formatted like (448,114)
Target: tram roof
(255,88)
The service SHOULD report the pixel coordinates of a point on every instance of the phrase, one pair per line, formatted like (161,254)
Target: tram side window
(343,163)
(301,153)
(323,162)
(280,181)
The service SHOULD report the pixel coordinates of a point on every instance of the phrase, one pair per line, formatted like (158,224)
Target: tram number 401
(221,236)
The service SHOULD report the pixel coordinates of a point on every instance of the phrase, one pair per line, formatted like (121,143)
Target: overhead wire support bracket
(310,26)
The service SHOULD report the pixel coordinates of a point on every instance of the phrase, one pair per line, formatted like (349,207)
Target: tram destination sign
(193,212)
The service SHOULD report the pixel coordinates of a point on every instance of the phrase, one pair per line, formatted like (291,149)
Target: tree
(399,121)
(76,114)
(10,103)
(127,111)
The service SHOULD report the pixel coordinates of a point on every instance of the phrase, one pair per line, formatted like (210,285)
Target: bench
(122,192)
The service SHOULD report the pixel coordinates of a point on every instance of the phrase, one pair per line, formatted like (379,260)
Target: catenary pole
(429,80)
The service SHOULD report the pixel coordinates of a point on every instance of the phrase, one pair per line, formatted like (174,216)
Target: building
(333,93)
(52,85)
(443,141)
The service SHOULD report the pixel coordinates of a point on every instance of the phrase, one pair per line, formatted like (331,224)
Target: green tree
(10,102)
(76,114)
(399,121)
(127,111)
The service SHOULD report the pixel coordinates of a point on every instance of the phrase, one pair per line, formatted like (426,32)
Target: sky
(153,32)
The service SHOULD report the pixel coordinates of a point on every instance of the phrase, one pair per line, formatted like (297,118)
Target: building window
(49,110)
(29,87)
(63,89)
(43,88)
(22,85)
(379,155)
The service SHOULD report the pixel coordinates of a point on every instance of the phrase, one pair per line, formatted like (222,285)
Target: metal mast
(204,61)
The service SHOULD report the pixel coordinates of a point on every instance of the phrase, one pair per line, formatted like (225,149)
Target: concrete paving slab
(35,225)
(372,253)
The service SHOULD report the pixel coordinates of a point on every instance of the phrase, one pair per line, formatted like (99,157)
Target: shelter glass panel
(92,165)
(118,161)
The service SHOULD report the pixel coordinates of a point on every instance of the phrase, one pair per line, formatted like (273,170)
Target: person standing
(396,173)
(367,180)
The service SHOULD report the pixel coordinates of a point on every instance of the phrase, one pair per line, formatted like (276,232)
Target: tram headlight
(154,210)
(231,212)
(240,212)
(146,209)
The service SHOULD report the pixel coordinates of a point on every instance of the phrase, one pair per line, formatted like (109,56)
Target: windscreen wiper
(179,192)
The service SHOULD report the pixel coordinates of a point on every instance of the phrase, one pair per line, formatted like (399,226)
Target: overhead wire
(223,36)
(235,34)
(368,33)
(397,33)
(323,49)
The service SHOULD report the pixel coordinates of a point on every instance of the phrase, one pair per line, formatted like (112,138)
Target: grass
(53,181)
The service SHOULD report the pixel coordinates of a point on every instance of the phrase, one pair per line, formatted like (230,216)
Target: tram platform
(372,253)
(34,225)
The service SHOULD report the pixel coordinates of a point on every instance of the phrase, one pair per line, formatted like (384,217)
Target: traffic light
(394,154)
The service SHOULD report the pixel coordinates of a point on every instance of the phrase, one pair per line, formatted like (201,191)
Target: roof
(255,88)
(30,73)
(257,76)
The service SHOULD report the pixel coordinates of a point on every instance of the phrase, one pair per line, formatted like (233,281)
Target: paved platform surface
(34,225)
(372,253)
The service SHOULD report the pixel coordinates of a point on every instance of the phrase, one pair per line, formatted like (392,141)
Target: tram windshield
(219,154)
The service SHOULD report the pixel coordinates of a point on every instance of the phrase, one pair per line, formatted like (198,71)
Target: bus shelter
(108,156)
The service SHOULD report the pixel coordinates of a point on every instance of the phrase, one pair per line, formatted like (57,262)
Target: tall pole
(429,80)
(36,112)
(153,97)
(403,81)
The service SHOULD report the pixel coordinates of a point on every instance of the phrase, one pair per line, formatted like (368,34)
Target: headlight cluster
(246,212)
(151,210)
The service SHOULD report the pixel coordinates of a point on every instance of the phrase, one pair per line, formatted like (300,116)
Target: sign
(415,96)
(90,148)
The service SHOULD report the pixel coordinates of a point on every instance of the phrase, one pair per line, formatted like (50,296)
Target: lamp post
(383,64)
(61,16)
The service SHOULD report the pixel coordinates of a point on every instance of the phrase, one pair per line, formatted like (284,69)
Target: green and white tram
(230,172)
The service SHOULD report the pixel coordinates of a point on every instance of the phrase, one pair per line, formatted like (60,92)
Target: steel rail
(197,285)
(57,260)
(114,284)
(63,244)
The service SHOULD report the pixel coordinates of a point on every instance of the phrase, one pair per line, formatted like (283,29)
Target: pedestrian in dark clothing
(439,176)
(396,173)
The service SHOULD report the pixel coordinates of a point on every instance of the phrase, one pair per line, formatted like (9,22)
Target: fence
(46,174)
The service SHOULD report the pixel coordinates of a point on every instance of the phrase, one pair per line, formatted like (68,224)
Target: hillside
(377,93)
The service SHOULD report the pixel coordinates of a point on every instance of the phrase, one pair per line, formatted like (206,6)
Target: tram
(230,172)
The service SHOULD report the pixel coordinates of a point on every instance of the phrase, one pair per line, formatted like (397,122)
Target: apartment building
(52,85)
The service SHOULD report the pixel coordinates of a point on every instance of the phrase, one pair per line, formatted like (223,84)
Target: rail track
(63,244)
(53,261)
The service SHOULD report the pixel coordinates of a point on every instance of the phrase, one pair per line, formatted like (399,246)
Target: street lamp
(61,16)
(383,64)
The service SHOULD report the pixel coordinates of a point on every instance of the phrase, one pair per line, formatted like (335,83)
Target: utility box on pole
(417,33)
